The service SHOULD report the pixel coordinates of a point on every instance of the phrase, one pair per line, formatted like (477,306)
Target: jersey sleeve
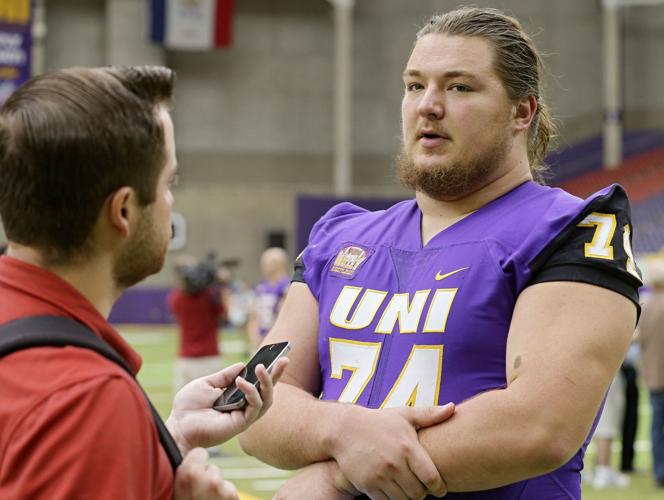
(595,248)
(298,271)
(324,240)
(94,439)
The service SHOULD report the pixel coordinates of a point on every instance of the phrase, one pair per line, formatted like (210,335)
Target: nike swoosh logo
(447,275)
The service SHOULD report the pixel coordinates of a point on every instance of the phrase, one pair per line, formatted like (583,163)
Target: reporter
(87,159)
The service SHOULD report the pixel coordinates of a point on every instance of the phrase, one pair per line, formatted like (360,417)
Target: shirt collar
(63,299)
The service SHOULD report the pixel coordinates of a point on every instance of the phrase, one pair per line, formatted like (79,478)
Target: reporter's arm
(565,343)
(197,479)
(295,432)
(193,422)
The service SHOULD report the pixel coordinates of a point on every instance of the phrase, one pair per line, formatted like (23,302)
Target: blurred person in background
(606,433)
(240,300)
(236,295)
(488,290)
(198,305)
(650,335)
(630,421)
(87,160)
(269,294)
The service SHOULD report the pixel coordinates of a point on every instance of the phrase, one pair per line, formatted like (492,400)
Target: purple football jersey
(267,297)
(407,324)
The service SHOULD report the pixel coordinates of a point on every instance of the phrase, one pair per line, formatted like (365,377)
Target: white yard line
(233,347)
(267,484)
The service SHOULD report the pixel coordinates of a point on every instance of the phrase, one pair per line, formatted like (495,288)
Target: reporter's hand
(197,479)
(319,481)
(194,423)
(379,453)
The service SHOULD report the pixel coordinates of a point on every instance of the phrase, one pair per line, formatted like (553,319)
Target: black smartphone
(233,398)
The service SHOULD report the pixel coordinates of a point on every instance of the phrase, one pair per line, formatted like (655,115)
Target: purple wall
(312,208)
(143,305)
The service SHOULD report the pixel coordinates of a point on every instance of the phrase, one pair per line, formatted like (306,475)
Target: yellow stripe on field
(246,496)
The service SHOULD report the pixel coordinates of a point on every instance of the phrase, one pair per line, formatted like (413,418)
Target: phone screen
(265,356)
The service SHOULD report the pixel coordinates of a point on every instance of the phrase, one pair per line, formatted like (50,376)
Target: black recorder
(233,398)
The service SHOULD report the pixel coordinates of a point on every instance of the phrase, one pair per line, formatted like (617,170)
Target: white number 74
(418,383)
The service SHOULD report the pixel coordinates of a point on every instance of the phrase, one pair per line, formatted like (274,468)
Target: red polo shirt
(198,318)
(72,423)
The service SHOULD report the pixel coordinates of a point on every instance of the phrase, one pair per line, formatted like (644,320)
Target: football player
(510,299)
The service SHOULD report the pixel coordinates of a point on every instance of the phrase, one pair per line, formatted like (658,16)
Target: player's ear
(524,112)
(122,205)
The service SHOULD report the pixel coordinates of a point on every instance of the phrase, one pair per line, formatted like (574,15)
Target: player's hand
(197,479)
(194,423)
(319,481)
(379,452)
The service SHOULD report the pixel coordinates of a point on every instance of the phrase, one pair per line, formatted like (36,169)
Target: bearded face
(457,119)
(450,180)
(144,253)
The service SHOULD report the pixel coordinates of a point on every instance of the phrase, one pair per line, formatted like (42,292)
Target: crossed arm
(566,341)
(193,424)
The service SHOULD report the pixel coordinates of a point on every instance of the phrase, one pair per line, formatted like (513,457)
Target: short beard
(451,182)
(142,256)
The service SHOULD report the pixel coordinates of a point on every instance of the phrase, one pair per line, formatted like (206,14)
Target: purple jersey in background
(402,324)
(267,297)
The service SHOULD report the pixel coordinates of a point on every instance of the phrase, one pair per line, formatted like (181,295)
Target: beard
(450,181)
(143,255)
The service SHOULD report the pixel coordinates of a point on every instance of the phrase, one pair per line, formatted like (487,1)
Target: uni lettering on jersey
(402,309)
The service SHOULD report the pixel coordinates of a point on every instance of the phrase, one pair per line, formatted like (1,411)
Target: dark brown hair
(517,63)
(70,138)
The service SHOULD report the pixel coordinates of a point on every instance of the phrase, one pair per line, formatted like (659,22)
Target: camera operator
(198,306)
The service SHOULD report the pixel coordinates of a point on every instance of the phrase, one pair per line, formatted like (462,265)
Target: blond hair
(518,64)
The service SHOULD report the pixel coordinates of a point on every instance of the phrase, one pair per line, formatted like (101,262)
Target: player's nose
(431,104)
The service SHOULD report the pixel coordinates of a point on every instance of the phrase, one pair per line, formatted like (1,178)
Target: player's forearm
(565,343)
(497,439)
(297,430)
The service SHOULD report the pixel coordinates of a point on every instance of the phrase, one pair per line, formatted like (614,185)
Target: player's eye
(413,86)
(458,87)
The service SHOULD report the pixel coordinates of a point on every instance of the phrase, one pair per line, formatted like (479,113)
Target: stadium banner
(311,208)
(191,24)
(15,45)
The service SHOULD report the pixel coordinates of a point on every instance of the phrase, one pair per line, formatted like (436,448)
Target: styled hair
(70,138)
(517,63)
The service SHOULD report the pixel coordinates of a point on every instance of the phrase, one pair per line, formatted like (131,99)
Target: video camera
(204,274)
